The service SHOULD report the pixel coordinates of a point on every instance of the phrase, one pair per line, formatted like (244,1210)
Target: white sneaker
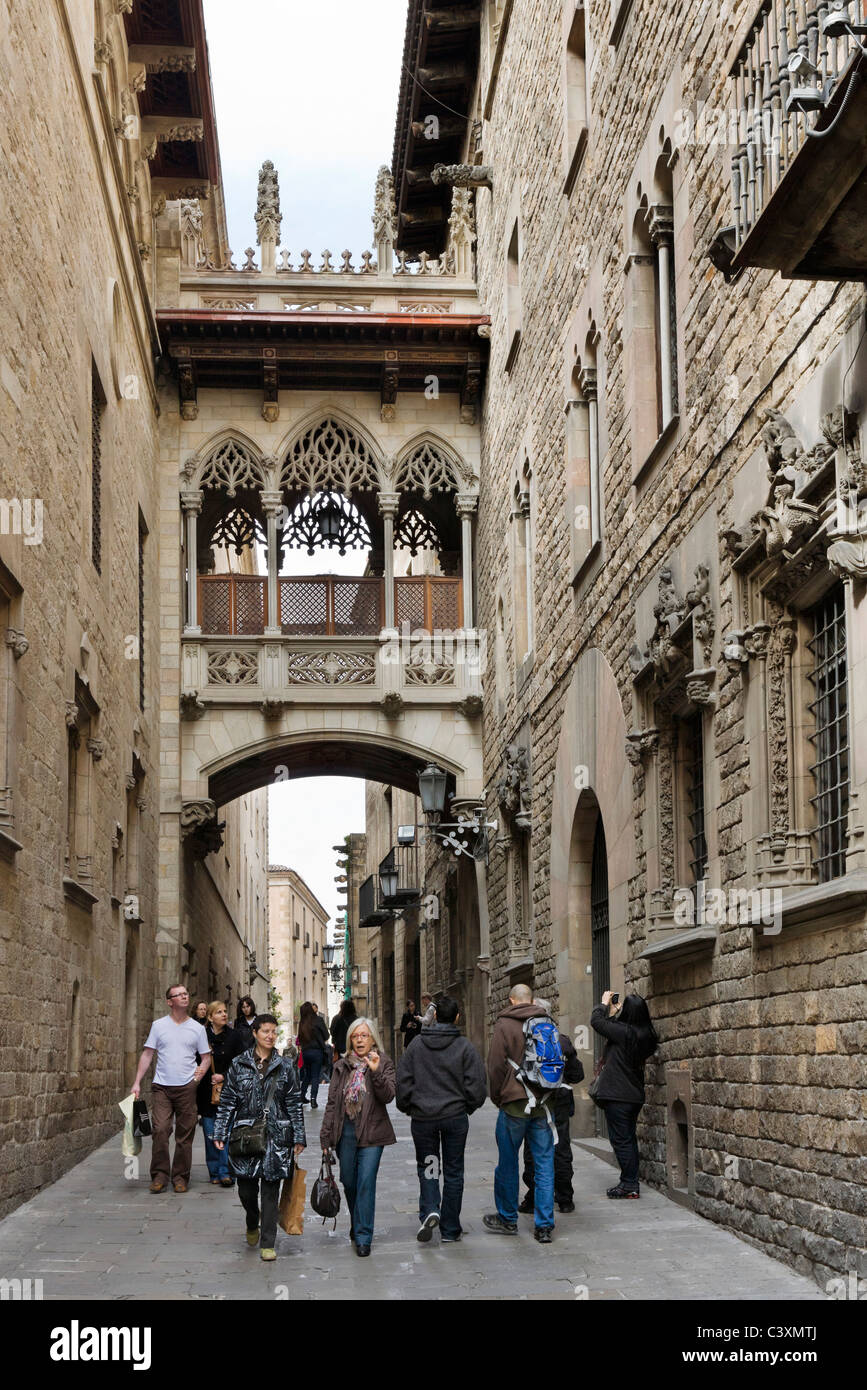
(428,1226)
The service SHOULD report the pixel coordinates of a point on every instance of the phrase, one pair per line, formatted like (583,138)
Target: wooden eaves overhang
(389,353)
(168,37)
(438,78)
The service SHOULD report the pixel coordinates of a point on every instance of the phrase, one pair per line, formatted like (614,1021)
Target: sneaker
(620,1191)
(266,1253)
(450,1240)
(253,1237)
(543,1234)
(428,1226)
(496,1223)
(565,1206)
(527,1206)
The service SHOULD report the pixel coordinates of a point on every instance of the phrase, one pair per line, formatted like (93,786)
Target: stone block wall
(76,985)
(767,1027)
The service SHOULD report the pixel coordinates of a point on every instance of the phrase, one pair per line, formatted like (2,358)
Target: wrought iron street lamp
(432,790)
(469,833)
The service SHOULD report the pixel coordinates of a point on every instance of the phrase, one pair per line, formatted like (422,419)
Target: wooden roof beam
(452,20)
(163,57)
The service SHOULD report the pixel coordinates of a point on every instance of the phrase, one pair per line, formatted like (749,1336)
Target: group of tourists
(253,1096)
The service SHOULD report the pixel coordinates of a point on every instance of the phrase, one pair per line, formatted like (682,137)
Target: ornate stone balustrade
(390,670)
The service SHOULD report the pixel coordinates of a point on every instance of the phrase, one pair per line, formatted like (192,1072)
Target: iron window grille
(694,765)
(97,405)
(830,739)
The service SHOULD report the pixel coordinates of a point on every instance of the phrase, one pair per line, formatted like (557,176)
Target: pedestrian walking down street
(244,1020)
(440,1082)
(177,1041)
(630,1039)
(225,1047)
(345,1015)
(312,1037)
(409,1024)
(428,1012)
(516,1126)
(261,1082)
(356,1123)
(563,1106)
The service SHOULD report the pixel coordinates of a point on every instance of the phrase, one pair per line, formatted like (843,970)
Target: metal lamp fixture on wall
(469,833)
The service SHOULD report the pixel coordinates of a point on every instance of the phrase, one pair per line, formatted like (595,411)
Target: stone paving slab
(97,1235)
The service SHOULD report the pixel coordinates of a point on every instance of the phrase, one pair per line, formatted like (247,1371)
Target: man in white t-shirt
(175,1039)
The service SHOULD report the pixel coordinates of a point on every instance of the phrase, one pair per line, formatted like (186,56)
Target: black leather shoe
(362,1250)
(314,1105)
(565,1206)
(527,1206)
(543,1235)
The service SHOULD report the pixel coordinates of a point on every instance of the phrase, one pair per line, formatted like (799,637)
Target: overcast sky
(312,87)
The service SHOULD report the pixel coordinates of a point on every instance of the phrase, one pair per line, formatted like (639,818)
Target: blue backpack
(542,1064)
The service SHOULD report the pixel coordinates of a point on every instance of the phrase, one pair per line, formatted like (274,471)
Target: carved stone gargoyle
(463,175)
(514,791)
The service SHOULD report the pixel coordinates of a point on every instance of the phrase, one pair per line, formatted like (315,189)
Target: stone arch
(427,464)
(229,461)
(345,458)
(593,777)
(329,740)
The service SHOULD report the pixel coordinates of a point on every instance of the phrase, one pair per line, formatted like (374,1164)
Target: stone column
(191,502)
(466,505)
(661,224)
(272,502)
(588,383)
(388,504)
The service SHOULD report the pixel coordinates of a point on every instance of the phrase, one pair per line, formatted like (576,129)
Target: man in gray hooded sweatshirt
(440,1082)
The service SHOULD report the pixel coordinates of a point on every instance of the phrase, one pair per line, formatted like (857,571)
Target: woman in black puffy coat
(261,1080)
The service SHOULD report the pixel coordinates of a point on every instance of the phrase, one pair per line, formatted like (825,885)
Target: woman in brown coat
(356,1123)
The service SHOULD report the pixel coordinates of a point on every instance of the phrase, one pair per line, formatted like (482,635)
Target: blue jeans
(427,1136)
(511,1133)
(358,1170)
(311,1071)
(216,1159)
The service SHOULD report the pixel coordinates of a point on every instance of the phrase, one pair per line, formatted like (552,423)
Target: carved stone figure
(513,788)
(463,175)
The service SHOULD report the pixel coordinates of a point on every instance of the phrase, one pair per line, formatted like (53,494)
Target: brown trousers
(178,1102)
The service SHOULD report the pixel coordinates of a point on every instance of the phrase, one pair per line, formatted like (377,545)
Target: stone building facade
(298,933)
(672,442)
(82,174)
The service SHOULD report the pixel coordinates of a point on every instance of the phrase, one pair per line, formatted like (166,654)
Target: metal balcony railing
(770,128)
(327,605)
(400,864)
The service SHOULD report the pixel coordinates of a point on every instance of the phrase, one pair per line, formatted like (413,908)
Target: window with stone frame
(97,424)
(830,738)
(13,647)
(794,560)
(84,750)
(514,311)
(675,688)
(583,463)
(650,317)
(523,612)
(575,92)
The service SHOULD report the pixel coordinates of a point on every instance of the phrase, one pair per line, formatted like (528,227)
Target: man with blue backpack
(525,1073)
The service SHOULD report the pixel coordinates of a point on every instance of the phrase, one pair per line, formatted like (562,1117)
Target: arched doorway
(600,947)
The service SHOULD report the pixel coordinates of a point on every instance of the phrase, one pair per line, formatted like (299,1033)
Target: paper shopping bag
(292,1199)
(130,1144)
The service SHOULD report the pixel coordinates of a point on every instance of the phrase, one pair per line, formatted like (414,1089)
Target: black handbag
(593,1088)
(325,1197)
(248,1137)
(141,1120)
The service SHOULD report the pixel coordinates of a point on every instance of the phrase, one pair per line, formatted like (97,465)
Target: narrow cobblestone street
(98,1235)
